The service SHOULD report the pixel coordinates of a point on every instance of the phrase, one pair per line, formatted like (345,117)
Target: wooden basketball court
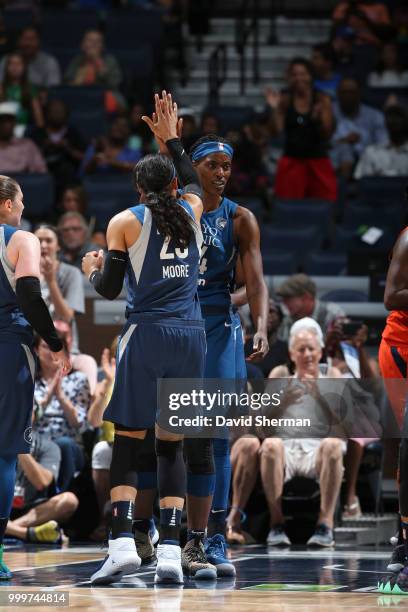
(296,579)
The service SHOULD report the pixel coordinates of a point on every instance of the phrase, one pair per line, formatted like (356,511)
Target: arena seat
(344,295)
(125,27)
(64,55)
(15,20)
(390,217)
(39,193)
(325,264)
(377,96)
(382,191)
(371,473)
(254,204)
(231,117)
(298,240)
(79,98)
(109,194)
(347,238)
(65,28)
(297,213)
(104,208)
(280,262)
(90,124)
(137,61)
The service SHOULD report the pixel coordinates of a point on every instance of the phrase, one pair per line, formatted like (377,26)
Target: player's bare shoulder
(22,241)
(123,230)
(244,222)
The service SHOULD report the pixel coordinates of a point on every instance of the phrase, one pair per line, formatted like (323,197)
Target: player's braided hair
(207,138)
(153,175)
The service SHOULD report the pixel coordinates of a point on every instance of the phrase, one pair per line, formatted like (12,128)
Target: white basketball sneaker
(121,559)
(168,568)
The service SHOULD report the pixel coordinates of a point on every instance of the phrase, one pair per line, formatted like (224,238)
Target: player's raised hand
(166,124)
(162,145)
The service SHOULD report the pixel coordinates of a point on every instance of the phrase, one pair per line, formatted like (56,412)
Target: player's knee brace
(124,465)
(201,468)
(403,477)
(171,468)
(200,455)
(147,464)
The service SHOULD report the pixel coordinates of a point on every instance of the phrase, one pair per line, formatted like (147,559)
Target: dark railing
(247,26)
(217,73)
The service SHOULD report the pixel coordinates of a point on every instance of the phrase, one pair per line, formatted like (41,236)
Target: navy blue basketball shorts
(17,375)
(225,347)
(148,351)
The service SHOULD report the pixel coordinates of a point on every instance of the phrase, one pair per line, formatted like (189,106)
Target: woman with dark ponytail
(152,175)
(155,247)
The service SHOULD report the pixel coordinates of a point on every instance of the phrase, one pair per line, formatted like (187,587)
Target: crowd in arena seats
(70,115)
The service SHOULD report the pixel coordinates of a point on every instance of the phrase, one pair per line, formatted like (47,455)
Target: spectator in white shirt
(390,159)
(390,71)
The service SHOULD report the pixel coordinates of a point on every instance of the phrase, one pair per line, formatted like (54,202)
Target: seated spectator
(43,68)
(249,175)
(305,117)
(357,127)
(323,61)
(347,354)
(112,153)
(389,159)
(74,199)
(298,294)
(102,452)
(74,235)
(390,71)
(369,19)
(342,41)
(278,349)
(209,124)
(141,138)
(190,130)
(401,21)
(95,67)
(38,510)
(279,460)
(17,154)
(61,283)
(61,144)
(64,401)
(15,87)
(80,361)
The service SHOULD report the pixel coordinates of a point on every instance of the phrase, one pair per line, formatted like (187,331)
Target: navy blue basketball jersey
(13,325)
(161,279)
(218,255)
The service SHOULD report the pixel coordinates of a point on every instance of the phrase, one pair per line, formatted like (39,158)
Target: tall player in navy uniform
(155,247)
(22,310)
(230,241)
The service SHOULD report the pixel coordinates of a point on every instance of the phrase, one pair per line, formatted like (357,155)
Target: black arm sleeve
(186,172)
(28,292)
(109,283)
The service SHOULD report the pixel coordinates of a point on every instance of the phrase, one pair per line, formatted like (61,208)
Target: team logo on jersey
(221,223)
